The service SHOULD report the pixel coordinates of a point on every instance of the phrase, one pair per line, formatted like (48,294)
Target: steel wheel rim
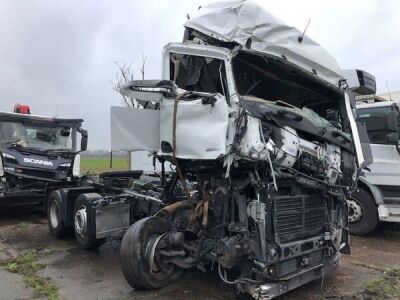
(356,211)
(80,221)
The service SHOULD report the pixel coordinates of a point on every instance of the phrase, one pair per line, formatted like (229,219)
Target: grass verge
(27,265)
(99,165)
(22,226)
(386,286)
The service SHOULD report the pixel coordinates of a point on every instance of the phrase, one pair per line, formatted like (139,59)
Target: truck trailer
(259,128)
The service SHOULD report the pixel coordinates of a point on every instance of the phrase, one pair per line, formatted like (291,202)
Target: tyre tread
(371,219)
(133,266)
(60,231)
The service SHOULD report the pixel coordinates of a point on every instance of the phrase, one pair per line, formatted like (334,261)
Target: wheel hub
(355,210)
(80,222)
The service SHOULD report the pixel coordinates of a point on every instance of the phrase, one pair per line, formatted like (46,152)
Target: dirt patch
(79,274)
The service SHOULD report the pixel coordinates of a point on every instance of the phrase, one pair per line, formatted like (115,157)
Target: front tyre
(140,263)
(363,213)
(84,222)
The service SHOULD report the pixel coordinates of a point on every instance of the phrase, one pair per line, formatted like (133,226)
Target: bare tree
(125,75)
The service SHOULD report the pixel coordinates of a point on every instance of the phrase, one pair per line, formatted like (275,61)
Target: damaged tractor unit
(260,121)
(259,131)
(268,210)
(37,155)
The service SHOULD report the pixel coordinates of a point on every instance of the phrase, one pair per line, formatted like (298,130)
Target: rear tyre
(138,253)
(363,213)
(84,222)
(54,214)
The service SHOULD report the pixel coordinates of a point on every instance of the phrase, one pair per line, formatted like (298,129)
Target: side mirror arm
(84,140)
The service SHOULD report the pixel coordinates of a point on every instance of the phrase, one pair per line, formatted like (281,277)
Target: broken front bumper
(271,290)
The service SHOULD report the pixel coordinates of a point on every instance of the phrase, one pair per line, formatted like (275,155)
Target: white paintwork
(288,153)
(205,51)
(134,129)
(201,130)
(354,131)
(237,21)
(204,131)
(193,141)
(351,78)
(385,170)
(389,213)
(76,169)
(252,144)
(1,166)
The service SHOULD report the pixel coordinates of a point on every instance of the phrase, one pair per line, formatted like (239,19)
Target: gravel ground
(79,274)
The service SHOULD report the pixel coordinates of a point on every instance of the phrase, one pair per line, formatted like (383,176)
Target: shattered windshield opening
(276,83)
(198,73)
(36,137)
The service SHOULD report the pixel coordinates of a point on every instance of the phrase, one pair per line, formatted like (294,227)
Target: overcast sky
(58,56)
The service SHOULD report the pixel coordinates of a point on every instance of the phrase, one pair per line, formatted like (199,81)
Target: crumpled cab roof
(250,26)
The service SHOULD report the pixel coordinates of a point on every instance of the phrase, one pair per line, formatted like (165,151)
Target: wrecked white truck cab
(258,120)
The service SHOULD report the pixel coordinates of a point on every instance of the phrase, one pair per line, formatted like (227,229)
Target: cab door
(383,132)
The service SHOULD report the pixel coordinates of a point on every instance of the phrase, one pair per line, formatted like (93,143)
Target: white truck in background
(378,195)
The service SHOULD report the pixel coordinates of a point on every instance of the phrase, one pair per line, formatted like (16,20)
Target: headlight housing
(76,169)
(6,155)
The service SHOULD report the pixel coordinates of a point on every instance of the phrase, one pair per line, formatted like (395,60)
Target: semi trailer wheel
(363,213)
(54,215)
(84,222)
(141,265)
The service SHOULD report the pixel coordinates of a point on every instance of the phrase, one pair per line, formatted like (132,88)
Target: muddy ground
(79,274)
